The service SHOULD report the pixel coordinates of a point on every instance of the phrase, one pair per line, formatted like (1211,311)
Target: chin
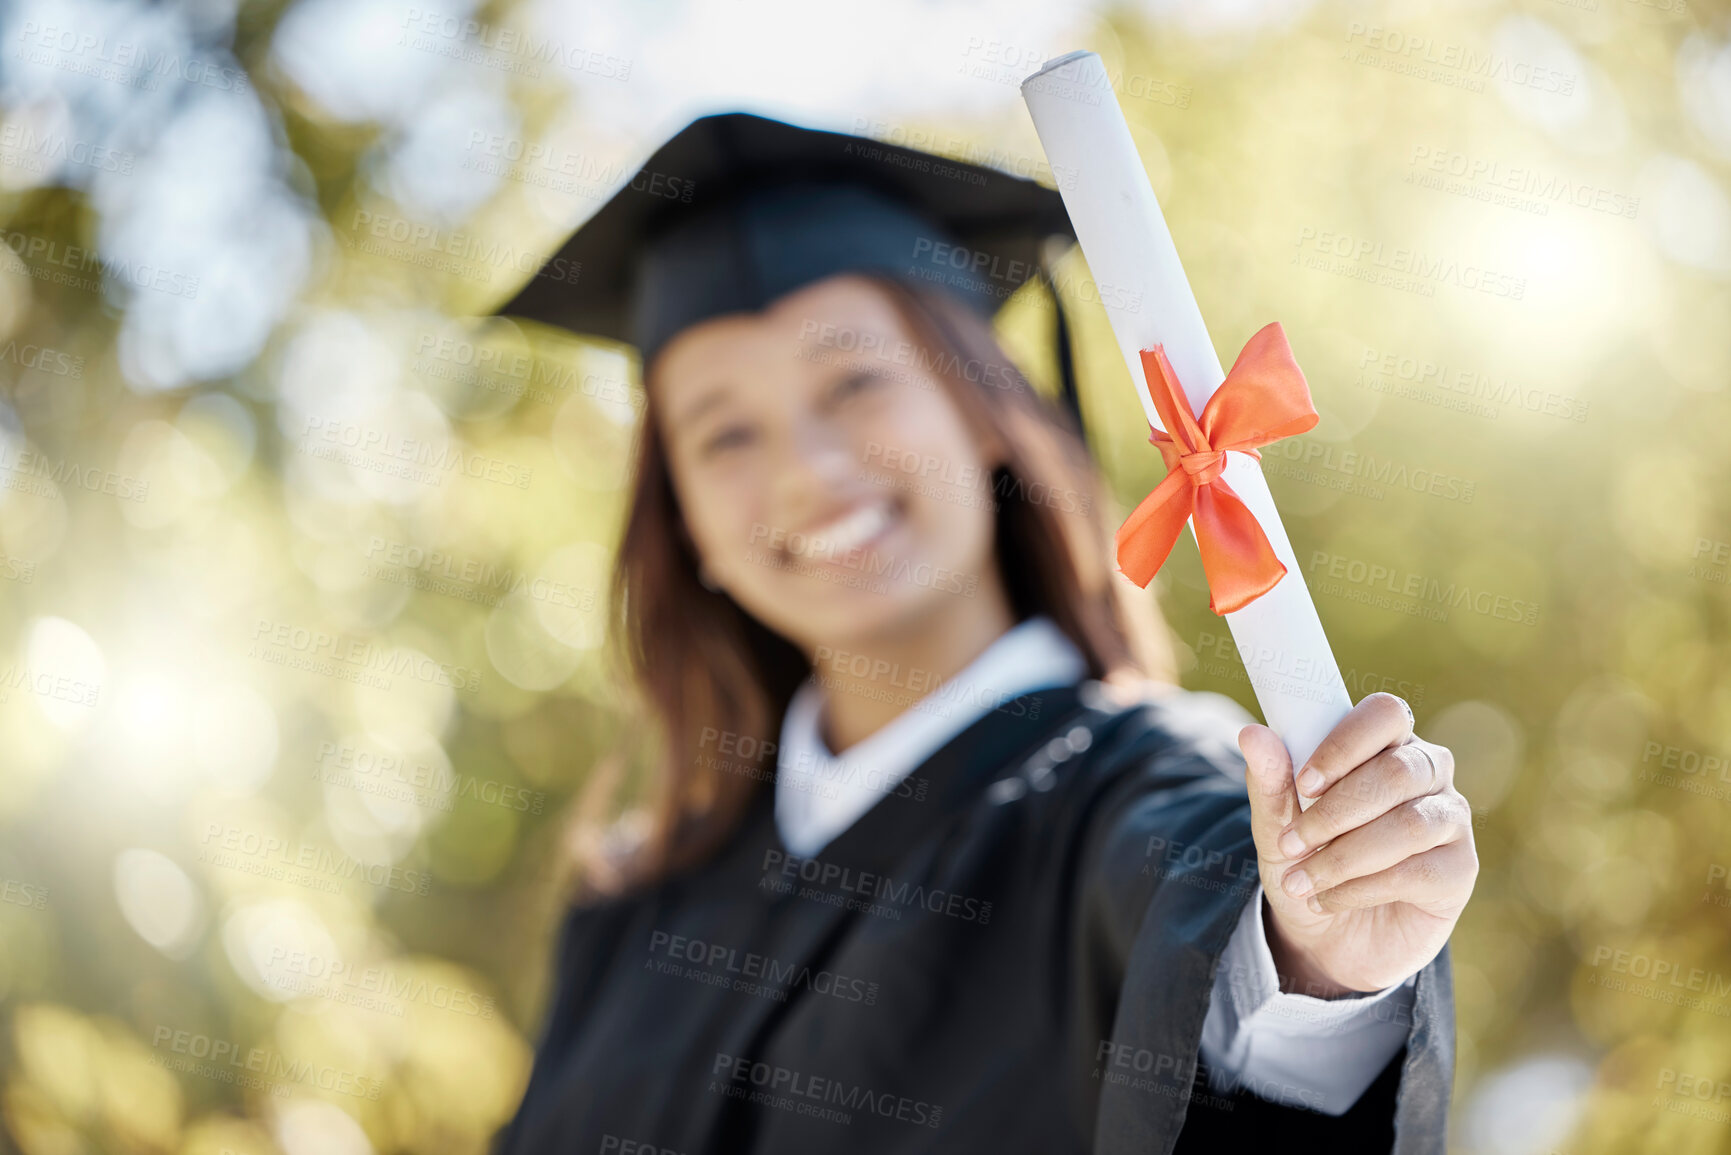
(835,608)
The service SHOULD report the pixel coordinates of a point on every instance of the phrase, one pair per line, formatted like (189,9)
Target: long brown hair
(706,668)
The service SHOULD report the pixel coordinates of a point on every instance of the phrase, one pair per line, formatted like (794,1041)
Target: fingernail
(1315,904)
(1310,782)
(1291,844)
(1297,883)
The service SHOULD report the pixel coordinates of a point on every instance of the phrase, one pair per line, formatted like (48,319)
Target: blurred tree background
(303,696)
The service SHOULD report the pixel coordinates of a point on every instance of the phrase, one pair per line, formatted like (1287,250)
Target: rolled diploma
(1124,236)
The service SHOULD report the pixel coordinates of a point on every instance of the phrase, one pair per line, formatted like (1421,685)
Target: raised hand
(1365,886)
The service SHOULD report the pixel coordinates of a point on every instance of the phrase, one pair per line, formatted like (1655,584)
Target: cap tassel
(1068,398)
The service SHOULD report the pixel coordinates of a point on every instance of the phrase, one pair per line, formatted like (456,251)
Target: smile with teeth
(852,530)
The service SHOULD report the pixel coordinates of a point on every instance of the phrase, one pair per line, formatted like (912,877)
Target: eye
(728,438)
(859,381)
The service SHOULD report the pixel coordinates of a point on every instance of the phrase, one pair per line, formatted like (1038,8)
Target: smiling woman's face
(836,496)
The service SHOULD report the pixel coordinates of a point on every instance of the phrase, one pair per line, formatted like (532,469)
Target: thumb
(1268,780)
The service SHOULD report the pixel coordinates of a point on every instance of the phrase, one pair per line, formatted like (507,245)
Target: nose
(819,463)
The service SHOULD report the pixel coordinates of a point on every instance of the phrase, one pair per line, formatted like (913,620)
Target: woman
(1034,904)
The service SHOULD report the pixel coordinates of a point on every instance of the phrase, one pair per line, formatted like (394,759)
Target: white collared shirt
(818,794)
(1303,1051)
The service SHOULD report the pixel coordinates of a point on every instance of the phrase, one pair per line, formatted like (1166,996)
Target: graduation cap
(737,210)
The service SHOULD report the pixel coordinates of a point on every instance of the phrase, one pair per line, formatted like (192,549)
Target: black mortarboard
(736,210)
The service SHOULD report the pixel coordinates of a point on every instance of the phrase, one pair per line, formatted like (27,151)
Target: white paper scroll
(1148,300)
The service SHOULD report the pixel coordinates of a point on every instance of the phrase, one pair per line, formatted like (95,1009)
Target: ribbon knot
(1263,399)
(1203,466)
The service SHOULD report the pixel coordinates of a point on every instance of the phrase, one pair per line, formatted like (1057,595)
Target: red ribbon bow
(1263,399)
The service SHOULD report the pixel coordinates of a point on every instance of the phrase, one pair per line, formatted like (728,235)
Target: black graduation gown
(1013,953)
